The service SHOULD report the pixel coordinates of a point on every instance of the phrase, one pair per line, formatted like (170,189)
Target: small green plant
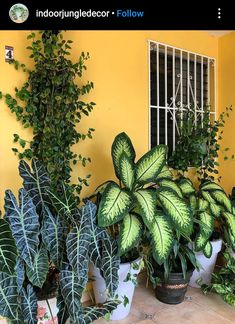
(223,281)
(50,103)
(198,143)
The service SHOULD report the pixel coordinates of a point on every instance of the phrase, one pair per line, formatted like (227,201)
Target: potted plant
(198,142)
(222,281)
(135,209)
(214,223)
(62,234)
(171,279)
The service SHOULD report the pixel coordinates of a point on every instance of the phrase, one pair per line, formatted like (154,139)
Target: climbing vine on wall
(50,102)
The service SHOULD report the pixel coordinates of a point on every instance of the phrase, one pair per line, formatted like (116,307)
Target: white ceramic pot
(124,288)
(207,265)
(44,315)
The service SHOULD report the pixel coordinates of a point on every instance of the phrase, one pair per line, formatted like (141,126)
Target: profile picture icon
(19,13)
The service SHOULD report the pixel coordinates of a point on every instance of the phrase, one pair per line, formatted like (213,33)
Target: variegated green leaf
(29,305)
(8,250)
(170,184)
(127,171)
(230,219)
(110,265)
(37,275)
(231,239)
(222,198)
(208,250)
(201,241)
(206,195)
(193,202)
(146,201)
(122,144)
(207,225)
(114,204)
(176,209)
(211,186)
(202,205)
(215,209)
(151,164)
(186,186)
(162,238)
(52,232)
(130,233)
(24,222)
(8,296)
(20,273)
(164,174)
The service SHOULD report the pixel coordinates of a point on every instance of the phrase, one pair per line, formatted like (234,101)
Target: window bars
(178,80)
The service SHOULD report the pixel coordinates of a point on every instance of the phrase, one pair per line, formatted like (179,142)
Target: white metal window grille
(178,80)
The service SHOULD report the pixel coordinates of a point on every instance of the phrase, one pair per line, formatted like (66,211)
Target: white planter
(207,265)
(124,288)
(44,314)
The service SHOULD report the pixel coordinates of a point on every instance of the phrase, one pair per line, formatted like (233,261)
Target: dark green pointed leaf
(65,203)
(90,314)
(37,275)
(146,201)
(20,272)
(150,164)
(110,265)
(8,250)
(162,238)
(176,209)
(62,314)
(127,171)
(130,233)
(122,144)
(29,305)
(8,296)
(53,236)
(36,182)
(24,224)
(72,287)
(115,203)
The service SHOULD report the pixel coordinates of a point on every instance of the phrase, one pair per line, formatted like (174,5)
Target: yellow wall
(226,98)
(119,69)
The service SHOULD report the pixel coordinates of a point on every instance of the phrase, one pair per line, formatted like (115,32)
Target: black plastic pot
(173,290)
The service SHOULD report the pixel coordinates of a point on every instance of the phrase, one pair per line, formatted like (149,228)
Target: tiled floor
(196,309)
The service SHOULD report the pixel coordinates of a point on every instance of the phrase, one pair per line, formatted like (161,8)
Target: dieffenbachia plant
(137,206)
(211,208)
(41,227)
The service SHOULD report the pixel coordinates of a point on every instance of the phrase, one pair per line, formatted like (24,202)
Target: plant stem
(52,317)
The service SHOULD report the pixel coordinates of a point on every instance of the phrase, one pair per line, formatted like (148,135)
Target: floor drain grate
(149,316)
(188,298)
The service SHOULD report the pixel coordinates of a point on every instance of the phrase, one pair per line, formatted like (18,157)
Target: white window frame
(211,63)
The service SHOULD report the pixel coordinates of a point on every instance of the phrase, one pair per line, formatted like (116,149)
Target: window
(178,80)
